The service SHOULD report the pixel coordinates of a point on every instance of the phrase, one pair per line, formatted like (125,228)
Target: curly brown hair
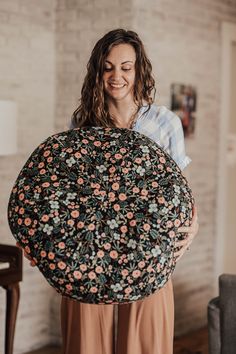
(93,108)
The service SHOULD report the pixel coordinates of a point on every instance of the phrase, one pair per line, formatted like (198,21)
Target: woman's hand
(32,262)
(191,231)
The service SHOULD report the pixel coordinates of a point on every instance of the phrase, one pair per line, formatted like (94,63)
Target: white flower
(156,251)
(71,196)
(112,223)
(140,170)
(48,229)
(101,168)
(56,220)
(176,201)
(116,236)
(71,161)
(54,204)
(177,189)
(117,287)
(130,256)
(152,208)
(144,148)
(132,244)
(165,210)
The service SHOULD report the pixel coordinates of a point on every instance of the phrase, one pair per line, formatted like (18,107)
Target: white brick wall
(27,74)
(183,41)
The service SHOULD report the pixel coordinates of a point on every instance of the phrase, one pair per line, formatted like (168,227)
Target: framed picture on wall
(183,103)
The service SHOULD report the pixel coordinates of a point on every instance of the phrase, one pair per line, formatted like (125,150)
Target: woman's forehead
(121,53)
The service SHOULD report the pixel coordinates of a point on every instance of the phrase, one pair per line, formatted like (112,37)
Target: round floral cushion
(98,209)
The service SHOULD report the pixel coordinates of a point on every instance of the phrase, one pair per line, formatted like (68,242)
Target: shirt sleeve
(176,145)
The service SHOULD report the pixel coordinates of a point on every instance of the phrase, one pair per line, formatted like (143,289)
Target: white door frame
(228,36)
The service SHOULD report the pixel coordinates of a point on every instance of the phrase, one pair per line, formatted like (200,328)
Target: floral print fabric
(98,210)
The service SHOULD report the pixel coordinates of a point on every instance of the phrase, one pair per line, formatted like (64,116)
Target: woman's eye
(108,69)
(126,69)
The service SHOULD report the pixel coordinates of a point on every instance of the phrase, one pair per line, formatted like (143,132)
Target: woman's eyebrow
(127,61)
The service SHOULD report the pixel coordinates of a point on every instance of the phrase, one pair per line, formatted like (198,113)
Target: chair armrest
(227,288)
(213,313)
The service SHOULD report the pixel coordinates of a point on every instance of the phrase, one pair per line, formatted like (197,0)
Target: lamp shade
(8,129)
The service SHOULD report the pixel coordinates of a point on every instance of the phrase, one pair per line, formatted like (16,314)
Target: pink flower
(123,229)
(91,227)
(132,222)
(46,153)
(74,214)
(113,254)
(115,186)
(146,227)
(122,196)
(100,254)
(93,290)
(83,267)
(162,160)
(92,275)
(45,218)
(125,272)
(177,222)
(112,169)
(128,290)
(78,155)
(171,233)
(141,264)
(80,225)
(161,200)
(144,192)
(136,273)
(97,143)
(130,215)
(77,274)
(107,246)
(69,287)
(116,207)
(51,255)
(136,190)
(61,245)
(61,265)
(169,223)
(98,269)
(123,150)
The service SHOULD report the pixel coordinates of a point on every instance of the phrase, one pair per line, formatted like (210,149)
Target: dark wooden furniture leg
(10,276)
(13,296)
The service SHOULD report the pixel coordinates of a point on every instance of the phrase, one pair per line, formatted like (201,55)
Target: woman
(117,92)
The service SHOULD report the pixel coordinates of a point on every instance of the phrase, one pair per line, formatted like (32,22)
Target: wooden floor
(193,343)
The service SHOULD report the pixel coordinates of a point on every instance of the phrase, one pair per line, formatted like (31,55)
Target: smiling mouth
(116,86)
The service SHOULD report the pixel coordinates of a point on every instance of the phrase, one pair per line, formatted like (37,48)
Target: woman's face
(119,73)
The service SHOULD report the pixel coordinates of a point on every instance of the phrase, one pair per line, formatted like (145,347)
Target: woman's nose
(116,74)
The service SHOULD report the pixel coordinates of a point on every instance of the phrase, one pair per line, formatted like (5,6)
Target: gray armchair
(222,317)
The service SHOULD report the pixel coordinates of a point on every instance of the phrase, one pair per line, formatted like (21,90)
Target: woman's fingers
(190,231)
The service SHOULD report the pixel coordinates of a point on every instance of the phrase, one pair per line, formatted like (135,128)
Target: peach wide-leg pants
(143,327)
